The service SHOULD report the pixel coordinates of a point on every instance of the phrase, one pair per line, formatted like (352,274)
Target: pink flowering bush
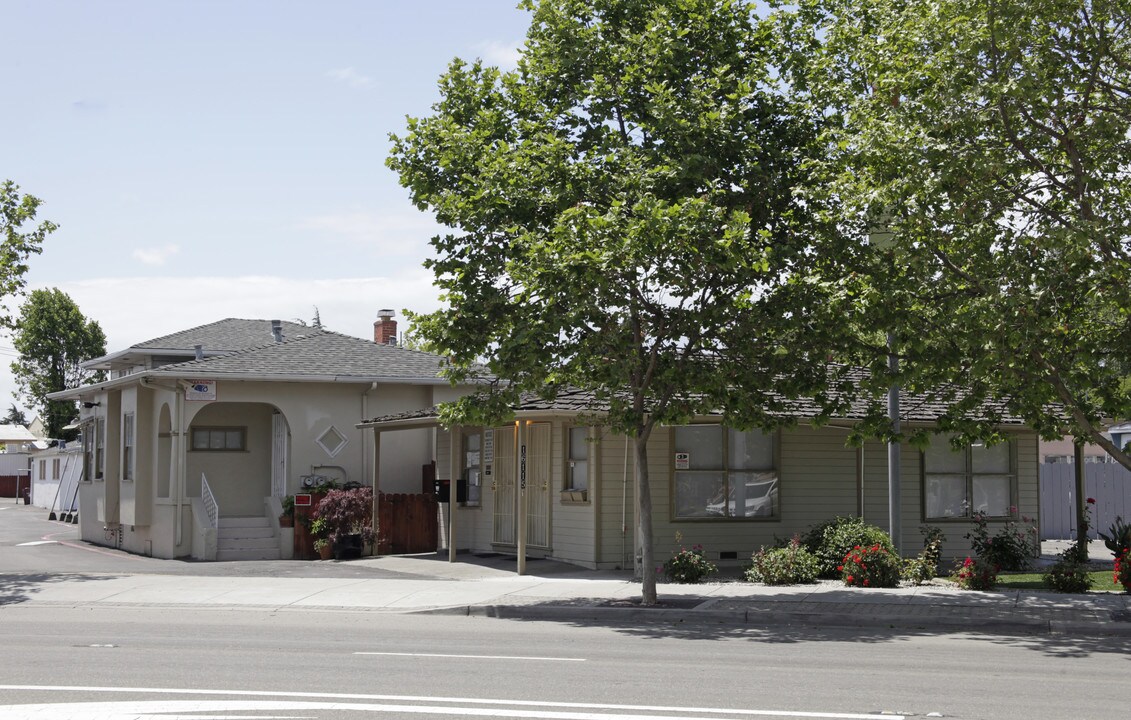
(1122,574)
(688,566)
(870,566)
(975,574)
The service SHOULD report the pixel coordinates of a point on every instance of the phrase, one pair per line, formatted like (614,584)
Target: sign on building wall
(682,461)
(201,390)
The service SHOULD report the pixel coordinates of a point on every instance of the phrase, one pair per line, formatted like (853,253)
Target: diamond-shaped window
(332,441)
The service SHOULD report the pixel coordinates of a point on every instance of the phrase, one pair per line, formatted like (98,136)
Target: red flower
(1091,501)
(849,579)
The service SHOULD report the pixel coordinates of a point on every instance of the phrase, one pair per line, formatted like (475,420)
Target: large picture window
(959,483)
(723,473)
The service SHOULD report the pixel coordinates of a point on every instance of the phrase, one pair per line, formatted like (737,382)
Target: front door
(504,487)
(538,485)
(507,486)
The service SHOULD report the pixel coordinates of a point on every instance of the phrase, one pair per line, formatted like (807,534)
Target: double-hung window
(577,462)
(959,483)
(128,447)
(722,473)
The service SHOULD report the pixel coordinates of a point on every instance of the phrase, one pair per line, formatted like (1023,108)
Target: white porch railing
(210,506)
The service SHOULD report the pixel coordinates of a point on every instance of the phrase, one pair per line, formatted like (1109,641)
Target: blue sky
(226,159)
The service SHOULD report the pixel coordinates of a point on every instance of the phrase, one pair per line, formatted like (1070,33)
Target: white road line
(37,542)
(475,657)
(496,711)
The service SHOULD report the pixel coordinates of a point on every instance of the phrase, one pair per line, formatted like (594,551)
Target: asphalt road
(242,664)
(111,663)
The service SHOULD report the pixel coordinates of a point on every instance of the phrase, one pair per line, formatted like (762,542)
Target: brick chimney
(385,329)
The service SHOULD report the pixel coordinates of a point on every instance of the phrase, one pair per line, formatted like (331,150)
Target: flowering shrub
(1122,575)
(832,540)
(871,566)
(975,574)
(788,565)
(1068,574)
(688,566)
(1010,549)
(925,566)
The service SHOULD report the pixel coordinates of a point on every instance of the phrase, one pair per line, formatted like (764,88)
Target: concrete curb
(777,618)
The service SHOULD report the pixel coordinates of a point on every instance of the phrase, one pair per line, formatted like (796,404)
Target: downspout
(365,450)
(179,460)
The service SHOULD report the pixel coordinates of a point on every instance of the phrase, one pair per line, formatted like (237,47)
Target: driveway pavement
(43,563)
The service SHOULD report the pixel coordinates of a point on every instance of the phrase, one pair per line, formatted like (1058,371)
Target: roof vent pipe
(277,330)
(199,351)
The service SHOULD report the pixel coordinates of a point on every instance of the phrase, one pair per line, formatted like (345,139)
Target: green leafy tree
(53,338)
(15,416)
(980,154)
(622,216)
(19,240)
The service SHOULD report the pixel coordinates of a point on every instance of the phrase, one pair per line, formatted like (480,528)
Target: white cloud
(135,309)
(400,233)
(351,77)
(502,54)
(156,256)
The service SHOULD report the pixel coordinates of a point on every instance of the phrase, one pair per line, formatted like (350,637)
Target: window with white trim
(100,448)
(722,473)
(577,463)
(219,439)
(959,483)
(472,466)
(128,446)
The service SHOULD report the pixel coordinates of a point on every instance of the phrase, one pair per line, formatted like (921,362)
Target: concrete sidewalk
(554,591)
(43,563)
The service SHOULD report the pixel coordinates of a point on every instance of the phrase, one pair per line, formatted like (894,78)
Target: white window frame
(128,445)
(224,433)
(969,475)
(571,490)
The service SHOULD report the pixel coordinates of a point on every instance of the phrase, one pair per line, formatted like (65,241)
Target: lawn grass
(1101,581)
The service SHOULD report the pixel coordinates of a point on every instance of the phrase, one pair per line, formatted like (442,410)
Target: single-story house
(194,438)
(730,491)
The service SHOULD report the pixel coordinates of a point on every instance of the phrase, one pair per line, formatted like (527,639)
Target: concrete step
(247,554)
(233,521)
(247,543)
(244,532)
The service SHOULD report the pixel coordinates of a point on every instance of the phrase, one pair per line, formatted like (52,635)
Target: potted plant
(322,543)
(287,519)
(348,518)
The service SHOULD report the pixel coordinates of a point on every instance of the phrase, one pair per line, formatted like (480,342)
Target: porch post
(377,491)
(521,529)
(455,449)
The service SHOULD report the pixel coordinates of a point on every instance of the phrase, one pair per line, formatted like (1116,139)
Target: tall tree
(19,240)
(53,337)
(15,416)
(989,143)
(622,214)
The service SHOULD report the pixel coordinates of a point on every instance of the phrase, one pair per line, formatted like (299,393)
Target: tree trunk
(1081,503)
(644,520)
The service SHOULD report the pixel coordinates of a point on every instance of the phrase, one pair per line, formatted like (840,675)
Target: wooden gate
(406,524)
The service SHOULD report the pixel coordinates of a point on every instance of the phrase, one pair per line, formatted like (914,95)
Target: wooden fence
(1108,483)
(406,524)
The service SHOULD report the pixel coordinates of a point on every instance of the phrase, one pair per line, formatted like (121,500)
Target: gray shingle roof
(225,335)
(914,408)
(318,355)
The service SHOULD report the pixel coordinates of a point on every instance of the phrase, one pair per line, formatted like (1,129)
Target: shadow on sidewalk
(19,588)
